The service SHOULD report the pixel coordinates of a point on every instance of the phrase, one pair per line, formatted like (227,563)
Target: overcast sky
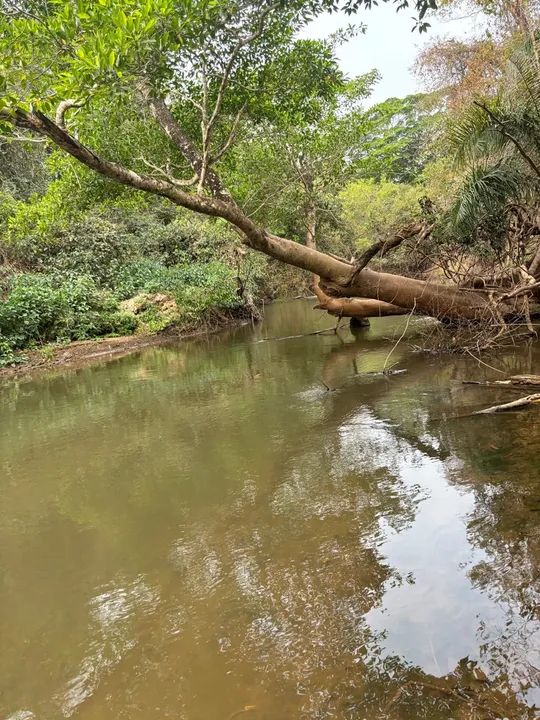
(388,45)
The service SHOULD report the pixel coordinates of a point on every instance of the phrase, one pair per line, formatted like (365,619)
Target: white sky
(388,44)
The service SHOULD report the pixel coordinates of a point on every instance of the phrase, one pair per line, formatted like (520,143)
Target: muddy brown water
(206,532)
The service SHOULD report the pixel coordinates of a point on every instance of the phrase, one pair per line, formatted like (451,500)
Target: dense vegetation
(114,267)
(203,102)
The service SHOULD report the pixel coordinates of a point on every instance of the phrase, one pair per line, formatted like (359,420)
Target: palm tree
(497,141)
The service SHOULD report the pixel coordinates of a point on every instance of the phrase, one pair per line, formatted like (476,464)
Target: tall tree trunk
(311,229)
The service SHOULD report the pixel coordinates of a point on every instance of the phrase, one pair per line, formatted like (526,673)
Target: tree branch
(385,246)
(178,137)
(41,125)
(230,64)
(167,175)
(231,138)
(63,107)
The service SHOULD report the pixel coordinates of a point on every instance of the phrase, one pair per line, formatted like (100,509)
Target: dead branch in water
(522,380)
(328,331)
(503,385)
(521,402)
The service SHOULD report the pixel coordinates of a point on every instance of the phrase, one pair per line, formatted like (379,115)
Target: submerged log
(521,402)
(524,380)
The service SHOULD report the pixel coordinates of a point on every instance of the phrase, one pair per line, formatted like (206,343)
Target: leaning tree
(199,69)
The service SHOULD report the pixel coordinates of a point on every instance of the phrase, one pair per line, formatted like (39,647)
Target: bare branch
(178,137)
(384,246)
(231,138)
(21,138)
(167,175)
(522,290)
(63,107)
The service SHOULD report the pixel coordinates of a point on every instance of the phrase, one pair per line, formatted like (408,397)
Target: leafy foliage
(396,145)
(497,142)
(375,211)
(42,308)
(65,280)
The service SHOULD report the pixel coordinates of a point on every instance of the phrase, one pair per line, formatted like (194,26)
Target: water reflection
(207,532)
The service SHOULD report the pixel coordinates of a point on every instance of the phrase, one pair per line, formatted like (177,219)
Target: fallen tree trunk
(355,307)
(398,294)
(426,297)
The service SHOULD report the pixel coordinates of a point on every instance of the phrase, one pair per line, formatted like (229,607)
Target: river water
(239,528)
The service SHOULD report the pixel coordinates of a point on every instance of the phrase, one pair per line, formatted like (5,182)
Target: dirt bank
(87,352)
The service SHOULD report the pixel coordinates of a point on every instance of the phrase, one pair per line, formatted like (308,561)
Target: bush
(195,287)
(43,308)
(67,269)
(93,247)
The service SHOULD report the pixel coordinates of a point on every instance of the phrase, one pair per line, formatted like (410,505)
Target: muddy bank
(87,352)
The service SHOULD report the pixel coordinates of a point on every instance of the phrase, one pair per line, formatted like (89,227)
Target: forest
(173,165)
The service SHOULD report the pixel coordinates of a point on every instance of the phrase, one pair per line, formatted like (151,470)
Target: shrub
(43,308)
(93,247)
(195,287)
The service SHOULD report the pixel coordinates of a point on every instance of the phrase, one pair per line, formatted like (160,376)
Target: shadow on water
(206,531)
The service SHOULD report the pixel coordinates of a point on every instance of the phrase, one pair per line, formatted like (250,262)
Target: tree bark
(426,297)
(311,224)
(311,229)
(355,307)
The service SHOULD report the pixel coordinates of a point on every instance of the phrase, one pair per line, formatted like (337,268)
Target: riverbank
(82,353)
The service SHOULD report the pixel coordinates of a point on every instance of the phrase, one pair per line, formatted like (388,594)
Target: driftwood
(500,385)
(514,382)
(521,402)
(524,380)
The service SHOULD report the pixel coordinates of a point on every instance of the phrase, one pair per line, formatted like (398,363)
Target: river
(243,526)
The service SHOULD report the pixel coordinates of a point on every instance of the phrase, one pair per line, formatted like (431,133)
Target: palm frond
(486,193)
